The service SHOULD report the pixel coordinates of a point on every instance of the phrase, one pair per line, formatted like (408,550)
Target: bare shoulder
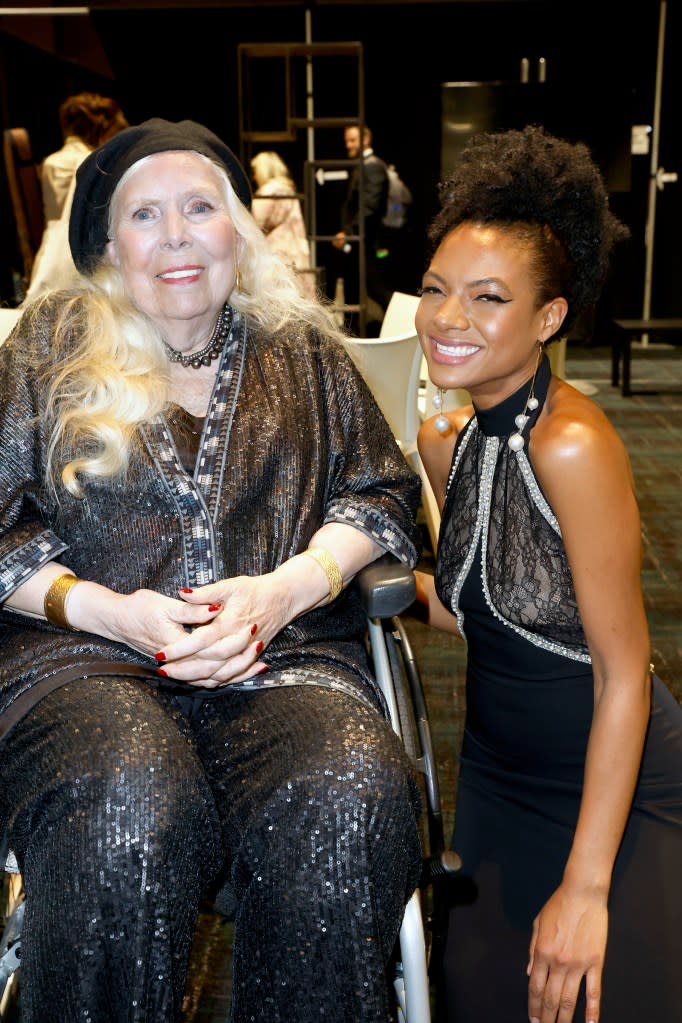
(574,442)
(432,442)
(436,448)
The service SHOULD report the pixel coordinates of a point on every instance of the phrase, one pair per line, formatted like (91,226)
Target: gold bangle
(330,567)
(54,605)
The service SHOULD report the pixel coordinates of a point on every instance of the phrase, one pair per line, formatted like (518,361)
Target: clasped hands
(231,622)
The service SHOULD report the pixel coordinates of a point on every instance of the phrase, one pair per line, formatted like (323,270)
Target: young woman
(569,803)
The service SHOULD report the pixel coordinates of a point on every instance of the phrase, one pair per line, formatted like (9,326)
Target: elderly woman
(193,473)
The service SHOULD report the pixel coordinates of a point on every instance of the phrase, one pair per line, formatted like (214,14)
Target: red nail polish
(254,629)
(186,589)
(161,671)
(160,656)
(263,669)
(259,646)
(214,607)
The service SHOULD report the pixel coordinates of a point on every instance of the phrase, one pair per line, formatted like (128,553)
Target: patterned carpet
(650,423)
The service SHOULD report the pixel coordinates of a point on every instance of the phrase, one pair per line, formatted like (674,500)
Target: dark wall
(409,51)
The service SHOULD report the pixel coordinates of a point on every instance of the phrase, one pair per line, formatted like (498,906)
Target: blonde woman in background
(277,210)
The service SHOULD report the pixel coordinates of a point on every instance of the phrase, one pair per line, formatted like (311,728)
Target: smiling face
(478,320)
(174,243)
(352,140)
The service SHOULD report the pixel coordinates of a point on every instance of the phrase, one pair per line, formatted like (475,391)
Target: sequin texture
(127,799)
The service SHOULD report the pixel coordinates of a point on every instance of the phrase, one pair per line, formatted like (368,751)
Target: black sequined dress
(503,569)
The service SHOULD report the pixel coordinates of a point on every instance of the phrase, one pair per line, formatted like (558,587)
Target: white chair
(398,319)
(8,317)
(399,315)
(451,400)
(390,367)
(396,372)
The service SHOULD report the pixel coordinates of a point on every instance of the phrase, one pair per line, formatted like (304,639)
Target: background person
(193,473)
(374,175)
(568,817)
(277,210)
(86,121)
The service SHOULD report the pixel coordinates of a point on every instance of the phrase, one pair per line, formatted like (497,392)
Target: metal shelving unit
(290,111)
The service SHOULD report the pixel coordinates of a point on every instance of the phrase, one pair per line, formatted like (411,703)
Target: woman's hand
(214,634)
(245,613)
(251,610)
(144,620)
(568,943)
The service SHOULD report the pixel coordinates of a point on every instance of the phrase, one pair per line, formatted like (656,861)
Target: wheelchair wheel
(10,947)
(440,864)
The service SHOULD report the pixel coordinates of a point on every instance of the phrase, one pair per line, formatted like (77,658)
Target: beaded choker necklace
(212,350)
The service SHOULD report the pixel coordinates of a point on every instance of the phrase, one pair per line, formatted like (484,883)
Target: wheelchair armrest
(387,587)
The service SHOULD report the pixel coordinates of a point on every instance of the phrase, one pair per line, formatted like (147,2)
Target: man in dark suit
(358,141)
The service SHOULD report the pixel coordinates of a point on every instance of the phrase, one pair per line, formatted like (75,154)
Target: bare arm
(141,619)
(225,650)
(429,607)
(435,451)
(223,645)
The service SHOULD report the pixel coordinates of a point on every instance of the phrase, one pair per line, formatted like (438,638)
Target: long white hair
(115,375)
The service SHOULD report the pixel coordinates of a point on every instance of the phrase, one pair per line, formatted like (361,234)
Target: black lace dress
(502,568)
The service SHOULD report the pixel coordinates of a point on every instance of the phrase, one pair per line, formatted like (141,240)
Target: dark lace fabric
(529,698)
(494,502)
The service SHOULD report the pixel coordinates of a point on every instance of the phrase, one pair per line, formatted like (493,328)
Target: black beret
(101,171)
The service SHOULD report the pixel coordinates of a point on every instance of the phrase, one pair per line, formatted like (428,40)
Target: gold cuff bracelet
(330,568)
(54,605)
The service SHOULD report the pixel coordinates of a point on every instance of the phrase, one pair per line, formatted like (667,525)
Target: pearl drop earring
(516,441)
(442,424)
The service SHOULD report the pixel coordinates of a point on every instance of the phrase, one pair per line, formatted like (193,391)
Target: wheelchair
(12,918)
(387,588)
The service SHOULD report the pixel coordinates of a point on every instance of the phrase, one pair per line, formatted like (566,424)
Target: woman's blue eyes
(197,207)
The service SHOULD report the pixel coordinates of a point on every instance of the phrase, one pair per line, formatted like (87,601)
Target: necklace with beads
(211,350)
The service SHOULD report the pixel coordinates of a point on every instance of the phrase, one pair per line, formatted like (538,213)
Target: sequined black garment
(503,569)
(123,800)
(122,821)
